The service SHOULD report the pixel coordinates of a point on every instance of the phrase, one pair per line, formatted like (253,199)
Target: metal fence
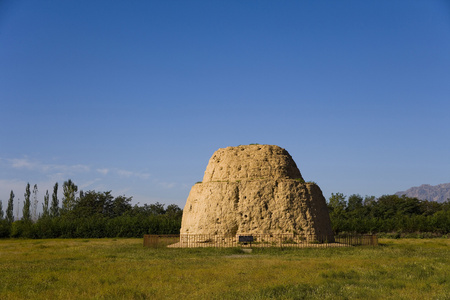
(357,239)
(258,240)
(160,241)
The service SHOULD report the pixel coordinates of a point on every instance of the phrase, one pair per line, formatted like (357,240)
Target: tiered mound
(255,189)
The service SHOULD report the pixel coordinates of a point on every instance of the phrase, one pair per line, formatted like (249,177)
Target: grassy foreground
(123,269)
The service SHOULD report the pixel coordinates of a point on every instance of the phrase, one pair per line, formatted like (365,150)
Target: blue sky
(135,96)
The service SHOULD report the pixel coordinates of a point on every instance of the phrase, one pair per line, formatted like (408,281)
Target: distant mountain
(438,193)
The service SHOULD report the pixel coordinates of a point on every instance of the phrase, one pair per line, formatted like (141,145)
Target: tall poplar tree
(69,195)
(35,203)
(45,211)
(18,209)
(54,208)
(1,210)
(10,208)
(26,214)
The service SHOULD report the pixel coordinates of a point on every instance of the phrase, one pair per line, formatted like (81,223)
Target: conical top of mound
(251,162)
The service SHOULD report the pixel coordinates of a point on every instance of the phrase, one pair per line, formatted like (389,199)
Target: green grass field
(123,269)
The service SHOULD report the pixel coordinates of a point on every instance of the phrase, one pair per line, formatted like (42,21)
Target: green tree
(35,203)
(337,202)
(369,200)
(69,195)
(26,214)
(429,208)
(121,205)
(45,210)
(10,208)
(336,206)
(93,203)
(156,209)
(5,227)
(174,211)
(54,208)
(354,203)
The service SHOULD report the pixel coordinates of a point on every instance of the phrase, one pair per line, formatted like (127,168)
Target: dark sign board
(245,238)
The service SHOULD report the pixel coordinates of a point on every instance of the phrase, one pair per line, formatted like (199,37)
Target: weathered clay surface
(251,162)
(255,189)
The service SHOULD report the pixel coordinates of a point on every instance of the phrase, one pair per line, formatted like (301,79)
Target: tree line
(392,214)
(94,214)
(88,214)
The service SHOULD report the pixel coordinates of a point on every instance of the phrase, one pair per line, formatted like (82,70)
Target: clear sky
(135,96)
